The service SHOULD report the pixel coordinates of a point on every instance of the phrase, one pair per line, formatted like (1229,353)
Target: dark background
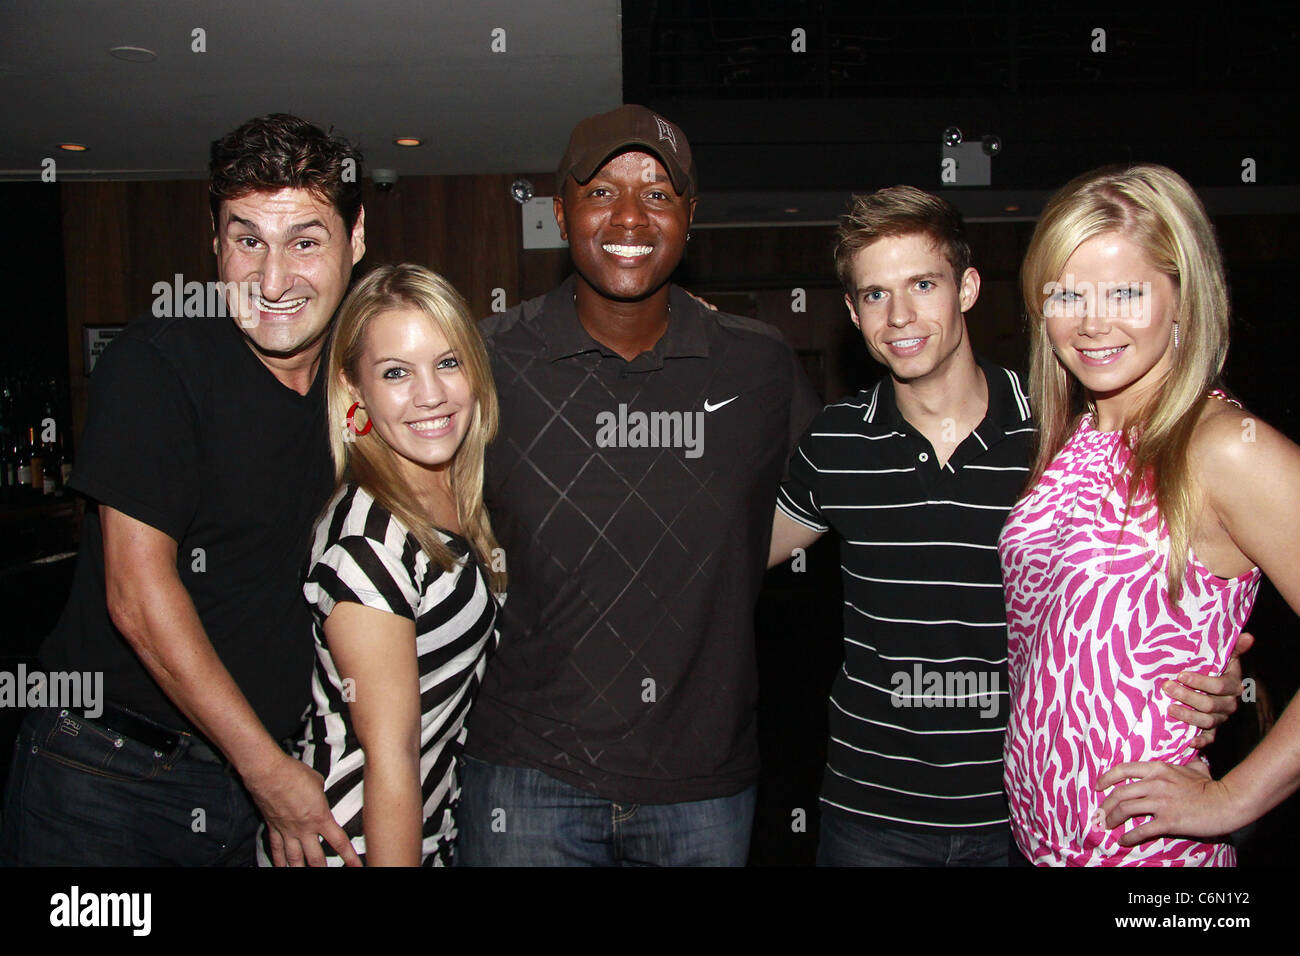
(1197,89)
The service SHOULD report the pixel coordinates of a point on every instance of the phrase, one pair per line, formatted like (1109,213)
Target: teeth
(1102,353)
(629,251)
(905,343)
(432,424)
(279,308)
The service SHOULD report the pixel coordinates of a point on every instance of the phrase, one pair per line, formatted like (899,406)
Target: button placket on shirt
(920,455)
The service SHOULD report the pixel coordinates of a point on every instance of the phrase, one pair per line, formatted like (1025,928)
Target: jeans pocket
(93,748)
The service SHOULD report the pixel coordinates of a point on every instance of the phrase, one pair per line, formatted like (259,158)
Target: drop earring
(1175,335)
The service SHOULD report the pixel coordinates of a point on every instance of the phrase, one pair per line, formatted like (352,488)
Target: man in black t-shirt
(205,456)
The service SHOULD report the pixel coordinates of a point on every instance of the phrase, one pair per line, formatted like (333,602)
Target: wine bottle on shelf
(36,463)
(8,471)
(17,490)
(50,478)
(65,463)
(23,454)
(49,435)
(8,466)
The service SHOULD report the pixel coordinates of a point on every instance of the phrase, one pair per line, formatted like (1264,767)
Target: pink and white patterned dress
(1092,636)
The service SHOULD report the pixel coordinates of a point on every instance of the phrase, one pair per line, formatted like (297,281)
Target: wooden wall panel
(121,238)
(468,229)
(772,262)
(118,240)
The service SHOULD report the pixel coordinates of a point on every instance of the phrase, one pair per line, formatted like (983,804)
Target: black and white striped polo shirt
(918,711)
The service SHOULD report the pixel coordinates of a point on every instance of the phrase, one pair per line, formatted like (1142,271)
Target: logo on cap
(666,132)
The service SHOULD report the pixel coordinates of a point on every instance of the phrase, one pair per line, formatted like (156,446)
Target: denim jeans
(846,842)
(80,794)
(1015,857)
(515,816)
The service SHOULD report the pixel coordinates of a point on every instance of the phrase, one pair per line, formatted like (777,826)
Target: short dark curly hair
(280,151)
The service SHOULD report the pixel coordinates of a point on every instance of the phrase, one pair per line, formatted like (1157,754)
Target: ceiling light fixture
(407,141)
(133,54)
(74,147)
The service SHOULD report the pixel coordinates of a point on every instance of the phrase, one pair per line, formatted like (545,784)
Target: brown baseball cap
(597,138)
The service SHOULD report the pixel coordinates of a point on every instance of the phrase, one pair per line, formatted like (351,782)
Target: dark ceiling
(789,106)
(728,49)
(1199,87)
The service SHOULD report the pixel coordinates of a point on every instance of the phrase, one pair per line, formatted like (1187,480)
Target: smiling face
(908,305)
(1110,319)
(294,248)
(415,391)
(626,227)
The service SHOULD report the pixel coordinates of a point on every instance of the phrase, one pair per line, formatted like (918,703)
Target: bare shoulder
(1233,449)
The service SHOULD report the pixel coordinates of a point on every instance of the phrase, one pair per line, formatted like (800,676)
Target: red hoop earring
(352,425)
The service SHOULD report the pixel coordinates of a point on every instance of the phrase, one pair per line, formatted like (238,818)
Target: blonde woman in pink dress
(1154,503)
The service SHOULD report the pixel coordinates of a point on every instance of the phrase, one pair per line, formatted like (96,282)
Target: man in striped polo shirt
(917,476)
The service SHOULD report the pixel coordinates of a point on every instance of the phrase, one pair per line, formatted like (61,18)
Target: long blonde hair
(1155,208)
(368,459)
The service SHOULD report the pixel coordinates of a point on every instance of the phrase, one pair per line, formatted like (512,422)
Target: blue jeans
(515,816)
(80,794)
(846,842)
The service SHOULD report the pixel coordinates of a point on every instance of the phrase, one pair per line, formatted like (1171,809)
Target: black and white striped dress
(361,553)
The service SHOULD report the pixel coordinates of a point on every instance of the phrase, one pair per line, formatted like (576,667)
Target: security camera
(521,190)
(384,179)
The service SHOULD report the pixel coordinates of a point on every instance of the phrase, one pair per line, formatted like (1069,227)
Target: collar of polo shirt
(565,335)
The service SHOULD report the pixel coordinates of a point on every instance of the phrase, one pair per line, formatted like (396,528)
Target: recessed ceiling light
(1011,208)
(791,209)
(74,147)
(133,54)
(407,141)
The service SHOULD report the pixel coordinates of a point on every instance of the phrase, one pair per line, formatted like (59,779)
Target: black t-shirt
(634,501)
(191,434)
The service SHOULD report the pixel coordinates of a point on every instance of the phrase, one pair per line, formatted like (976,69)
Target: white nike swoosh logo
(714,408)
